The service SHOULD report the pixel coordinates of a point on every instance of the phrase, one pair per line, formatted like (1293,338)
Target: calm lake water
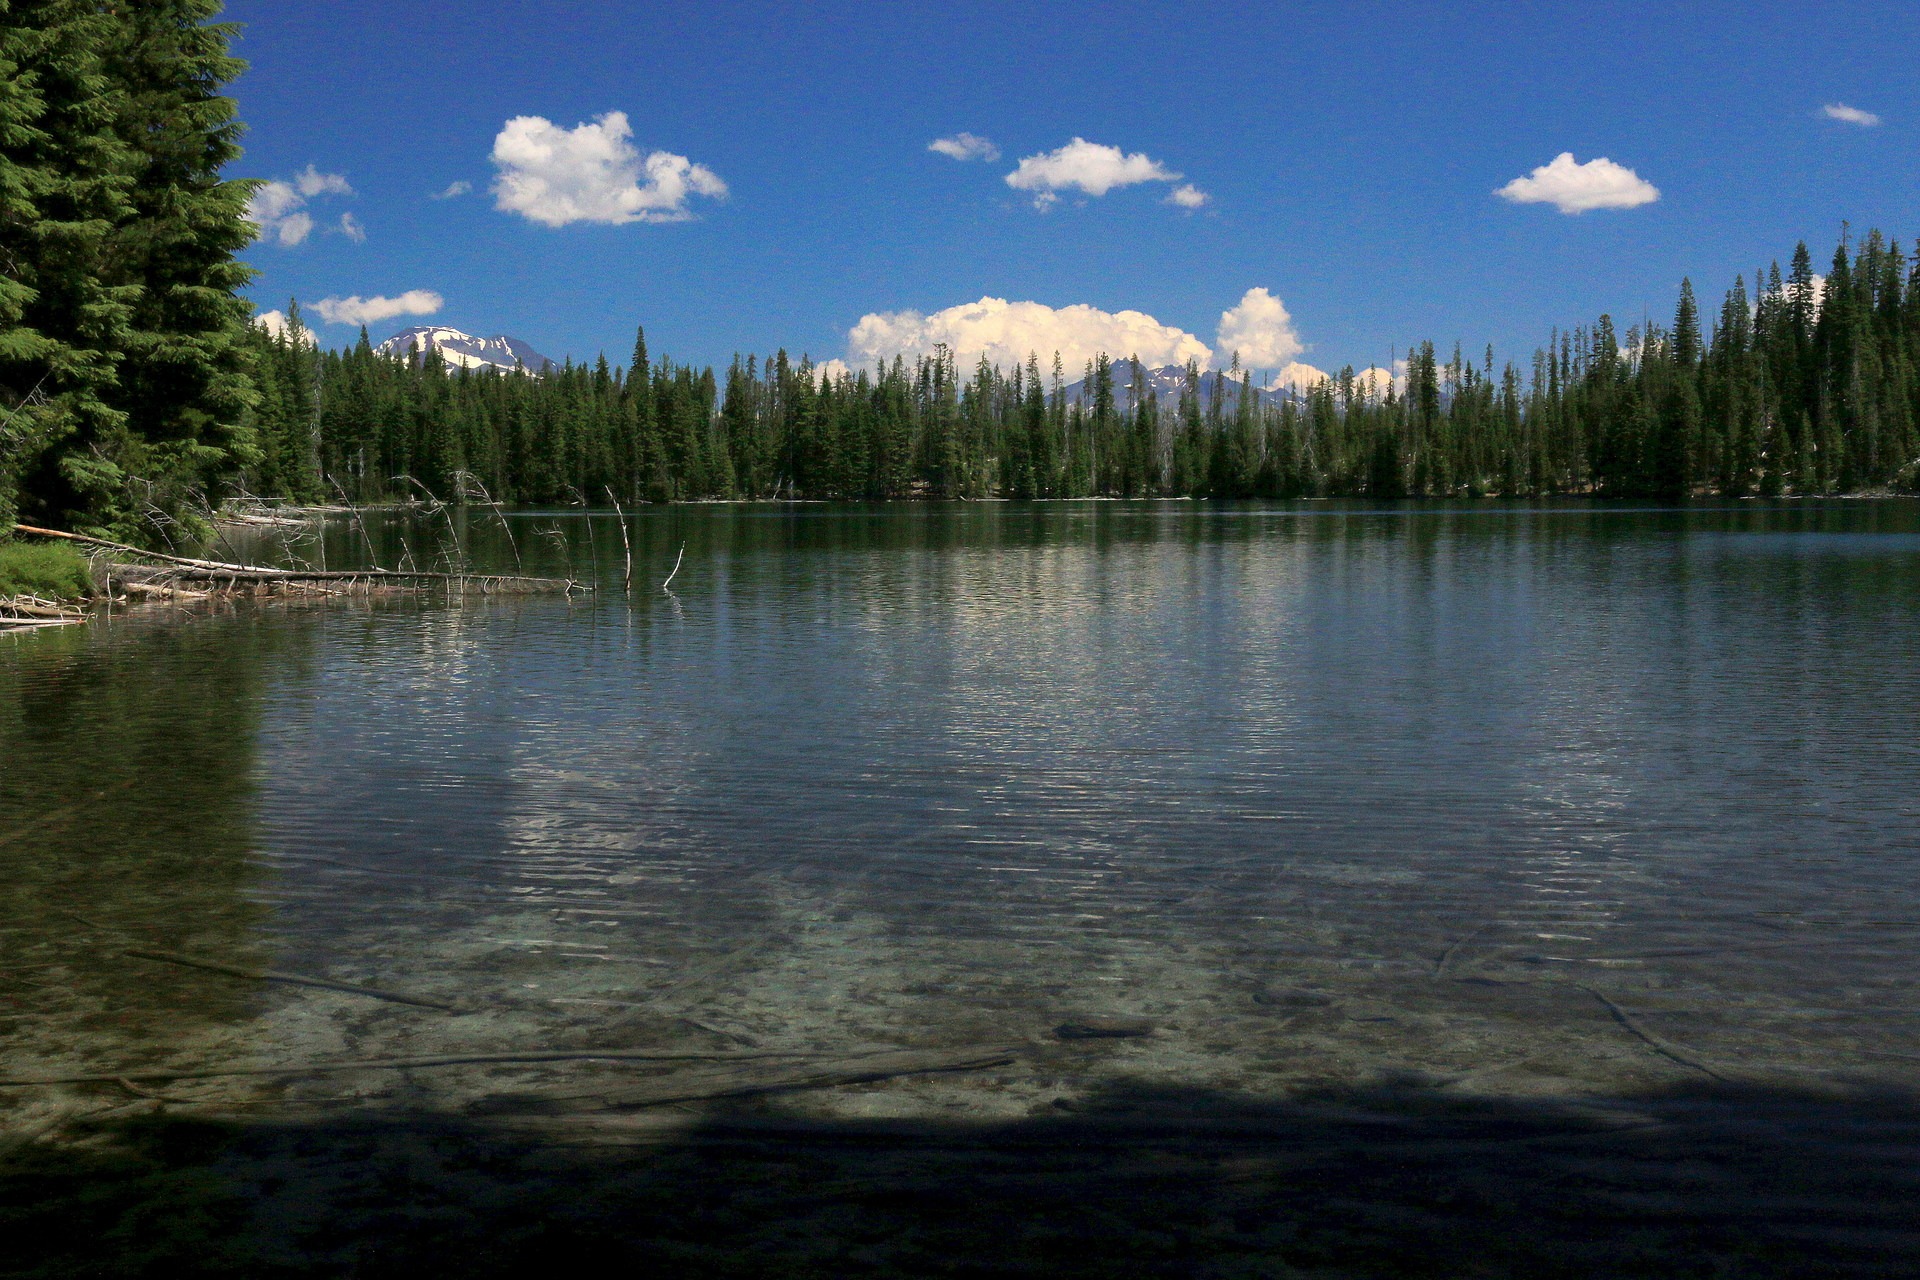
(1526,802)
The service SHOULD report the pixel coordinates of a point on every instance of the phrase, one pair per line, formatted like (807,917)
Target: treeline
(136,396)
(1799,386)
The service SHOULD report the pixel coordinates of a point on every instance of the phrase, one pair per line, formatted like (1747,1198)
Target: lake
(1540,815)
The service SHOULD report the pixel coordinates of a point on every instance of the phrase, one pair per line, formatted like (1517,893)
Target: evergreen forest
(1799,385)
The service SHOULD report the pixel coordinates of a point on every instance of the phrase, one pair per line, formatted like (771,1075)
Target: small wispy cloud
(454,190)
(1188,196)
(275,208)
(965,146)
(1572,187)
(349,226)
(1850,115)
(357,310)
(311,182)
(279,208)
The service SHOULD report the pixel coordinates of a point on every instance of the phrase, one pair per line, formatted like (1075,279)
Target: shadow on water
(1137,1182)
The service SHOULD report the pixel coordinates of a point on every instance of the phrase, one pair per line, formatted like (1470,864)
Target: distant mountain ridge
(463,350)
(1168,384)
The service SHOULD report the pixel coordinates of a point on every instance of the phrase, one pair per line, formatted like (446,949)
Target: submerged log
(718,1086)
(1104,1029)
(1665,1048)
(536,1058)
(292,979)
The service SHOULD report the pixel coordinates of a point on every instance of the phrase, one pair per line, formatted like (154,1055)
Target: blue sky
(1349,155)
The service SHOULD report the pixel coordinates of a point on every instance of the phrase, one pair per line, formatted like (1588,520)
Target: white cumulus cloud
(1374,382)
(1571,187)
(1084,166)
(1006,333)
(277,324)
(1371,382)
(965,146)
(358,310)
(454,190)
(1260,331)
(592,173)
(1188,196)
(1851,115)
(831,370)
(1299,375)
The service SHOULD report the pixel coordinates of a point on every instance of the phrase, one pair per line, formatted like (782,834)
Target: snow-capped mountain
(463,350)
(1168,384)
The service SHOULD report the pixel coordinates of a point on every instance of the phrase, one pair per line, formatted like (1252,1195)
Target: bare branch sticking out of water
(676,567)
(373,557)
(626,545)
(471,484)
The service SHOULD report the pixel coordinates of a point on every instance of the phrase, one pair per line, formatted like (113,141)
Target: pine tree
(64,324)
(1679,429)
(120,318)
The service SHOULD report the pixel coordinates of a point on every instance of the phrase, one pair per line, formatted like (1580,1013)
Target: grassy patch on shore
(50,572)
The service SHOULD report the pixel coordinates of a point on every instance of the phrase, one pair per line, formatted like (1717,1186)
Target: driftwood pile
(23,612)
(151,575)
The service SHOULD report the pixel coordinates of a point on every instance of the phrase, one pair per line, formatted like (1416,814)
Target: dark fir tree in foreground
(1799,387)
(123,341)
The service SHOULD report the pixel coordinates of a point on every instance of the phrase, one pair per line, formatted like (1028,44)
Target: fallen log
(90,541)
(167,582)
(351,579)
(28,624)
(220,571)
(150,591)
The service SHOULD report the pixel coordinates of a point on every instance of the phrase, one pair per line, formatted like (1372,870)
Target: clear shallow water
(1524,801)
